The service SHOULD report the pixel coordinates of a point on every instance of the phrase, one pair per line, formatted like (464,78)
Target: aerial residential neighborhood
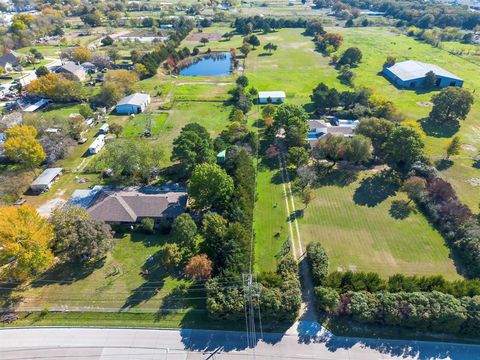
(240,179)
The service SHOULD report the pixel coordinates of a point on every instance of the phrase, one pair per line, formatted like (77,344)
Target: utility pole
(251,291)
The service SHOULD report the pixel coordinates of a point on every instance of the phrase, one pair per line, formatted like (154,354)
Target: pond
(217,64)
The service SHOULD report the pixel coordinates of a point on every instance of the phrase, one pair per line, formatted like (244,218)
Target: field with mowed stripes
(354,224)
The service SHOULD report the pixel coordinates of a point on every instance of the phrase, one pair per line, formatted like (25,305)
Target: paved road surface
(117,344)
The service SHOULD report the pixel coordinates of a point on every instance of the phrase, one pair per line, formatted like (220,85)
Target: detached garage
(133,104)
(45,180)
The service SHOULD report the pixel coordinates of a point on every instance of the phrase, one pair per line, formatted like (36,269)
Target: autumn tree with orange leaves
(199,267)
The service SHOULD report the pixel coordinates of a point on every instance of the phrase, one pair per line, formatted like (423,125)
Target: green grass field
(116,283)
(354,225)
(136,126)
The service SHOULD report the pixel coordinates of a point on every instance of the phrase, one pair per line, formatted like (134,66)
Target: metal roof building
(45,180)
(272,97)
(411,74)
(133,104)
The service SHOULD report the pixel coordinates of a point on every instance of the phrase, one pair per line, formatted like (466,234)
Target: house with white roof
(318,129)
(97,144)
(271,97)
(411,75)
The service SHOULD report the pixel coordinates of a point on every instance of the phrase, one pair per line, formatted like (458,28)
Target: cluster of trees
(242,98)
(416,12)
(247,25)
(328,43)
(279,295)
(30,241)
(352,104)
(57,88)
(116,84)
(152,60)
(450,105)
(372,282)
(27,27)
(334,148)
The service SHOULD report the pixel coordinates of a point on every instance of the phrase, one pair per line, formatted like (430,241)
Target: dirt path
(307,310)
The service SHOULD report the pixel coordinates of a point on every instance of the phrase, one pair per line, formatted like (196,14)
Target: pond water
(217,64)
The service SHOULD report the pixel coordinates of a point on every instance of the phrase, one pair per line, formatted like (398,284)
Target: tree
(22,146)
(76,126)
(270,47)
(172,256)
(318,261)
(41,71)
(125,80)
(92,19)
(314,27)
(193,147)
(86,111)
(245,49)
(377,130)
(109,95)
(453,147)
(268,112)
(113,54)
(81,54)
(147,225)
(57,88)
(116,129)
(389,61)
(414,187)
(252,40)
(325,98)
(430,80)
(204,41)
(297,156)
(326,298)
(242,80)
(130,161)
(107,40)
(214,229)
(332,148)
(359,149)
(349,23)
(352,56)
(199,267)
(26,237)
(210,186)
(403,147)
(78,237)
(184,231)
(307,195)
(451,104)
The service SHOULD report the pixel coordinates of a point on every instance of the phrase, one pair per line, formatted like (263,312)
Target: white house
(97,144)
(45,180)
(133,104)
(271,97)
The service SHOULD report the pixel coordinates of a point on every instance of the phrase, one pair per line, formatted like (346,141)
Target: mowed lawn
(117,283)
(359,234)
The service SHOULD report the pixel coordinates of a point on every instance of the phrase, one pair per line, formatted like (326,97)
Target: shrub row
(458,224)
(430,311)
(372,282)
(318,262)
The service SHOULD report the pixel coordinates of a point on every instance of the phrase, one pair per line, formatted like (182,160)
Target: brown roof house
(10,59)
(130,205)
(72,71)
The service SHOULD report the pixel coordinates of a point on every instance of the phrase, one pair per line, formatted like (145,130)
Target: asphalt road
(110,344)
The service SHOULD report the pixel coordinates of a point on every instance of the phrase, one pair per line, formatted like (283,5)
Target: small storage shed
(97,144)
(271,97)
(45,180)
(133,104)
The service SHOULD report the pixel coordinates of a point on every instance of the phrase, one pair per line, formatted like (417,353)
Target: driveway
(118,343)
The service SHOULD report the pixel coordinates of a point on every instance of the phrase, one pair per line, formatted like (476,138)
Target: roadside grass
(270,218)
(115,283)
(353,223)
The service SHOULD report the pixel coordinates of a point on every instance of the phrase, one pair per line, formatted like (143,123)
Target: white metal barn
(271,97)
(45,180)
